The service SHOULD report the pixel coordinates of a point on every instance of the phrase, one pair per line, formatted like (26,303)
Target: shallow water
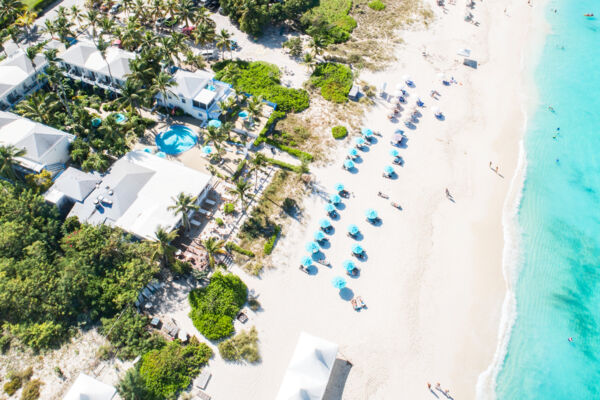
(558,288)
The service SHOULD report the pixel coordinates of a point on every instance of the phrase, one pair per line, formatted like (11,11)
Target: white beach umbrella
(436,110)
(440,76)
(399,86)
(407,78)
(398,93)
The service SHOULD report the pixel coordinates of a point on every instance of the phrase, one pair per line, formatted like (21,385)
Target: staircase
(55,169)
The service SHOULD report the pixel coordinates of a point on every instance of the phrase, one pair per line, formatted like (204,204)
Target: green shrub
(377,5)
(219,221)
(243,346)
(253,269)
(260,78)
(5,340)
(234,247)
(180,267)
(273,118)
(13,385)
(129,336)
(31,390)
(133,387)
(339,132)
(268,249)
(291,151)
(294,45)
(228,208)
(284,165)
(171,369)
(335,81)
(215,306)
(329,21)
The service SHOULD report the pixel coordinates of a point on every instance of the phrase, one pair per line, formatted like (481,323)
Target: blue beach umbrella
(394,153)
(335,199)
(357,249)
(359,140)
(339,187)
(352,229)
(324,223)
(388,170)
(329,207)
(352,152)
(349,265)
(366,132)
(348,164)
(215,123)
(338,282)
(371,214)
(207,150)
(312,247)
(161,154)
(306,261)
(319,235)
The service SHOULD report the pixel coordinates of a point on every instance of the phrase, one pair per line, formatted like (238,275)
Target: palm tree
(38,107)
(184,204)
(132,96)
(162,248)
(309,61)
(133,386)
(26,21)
(241,189)
(31,52)
(9,9)
(254,108)
(213,246)
(93,19)
(258,162)
(108,26)
(161,86)
(203,17)
(95,162)
(316,45)
(102,47)
(225,129)
(127,6)
(187,12)
(8,162)
(76,15)
(215,136)
(203,33)
(172,8)
(223,41)
(195,60)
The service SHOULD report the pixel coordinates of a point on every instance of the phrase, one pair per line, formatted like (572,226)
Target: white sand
(433,279)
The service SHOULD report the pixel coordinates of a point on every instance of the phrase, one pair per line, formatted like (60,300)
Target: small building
(84,62)
(136,192)
(70,187)
(197,94)
(308,373)
(354,92)
(18,77)
(46,148)
(87,388)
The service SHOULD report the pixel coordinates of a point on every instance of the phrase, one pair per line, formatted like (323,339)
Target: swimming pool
(176,140)
(119,118)
(243,114)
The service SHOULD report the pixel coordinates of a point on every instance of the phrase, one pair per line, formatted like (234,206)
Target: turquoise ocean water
(558,286)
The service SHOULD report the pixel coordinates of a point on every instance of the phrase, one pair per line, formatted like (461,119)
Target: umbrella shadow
(375,222)
(440,117)
(355,275)
(358,160)
(363,257)
(312,270)
(340,206)
(353,170)
(358,237)
(330,230)
(346,294)
(373,140)
(334,217)
(410,125)
(365,149)
(325,244)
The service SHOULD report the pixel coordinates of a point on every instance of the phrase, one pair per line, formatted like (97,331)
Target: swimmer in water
(571,339)
(551,109)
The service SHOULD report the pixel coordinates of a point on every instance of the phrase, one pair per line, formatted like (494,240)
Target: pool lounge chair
(360,302)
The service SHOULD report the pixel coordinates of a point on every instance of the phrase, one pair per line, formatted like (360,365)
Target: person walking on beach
(448,193)
(428,385)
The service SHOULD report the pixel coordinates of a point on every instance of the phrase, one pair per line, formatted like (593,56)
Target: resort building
(84,62)
(87,388)
(18,77)
(197,94)
(136,192)
(70,187)
(46,148)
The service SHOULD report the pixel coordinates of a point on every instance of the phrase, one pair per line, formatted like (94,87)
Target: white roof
(88,388)
(188,84)
(205,96)
(37,139)
(87,56)
(308,373)
(75,184)
(16,69)
(143,186)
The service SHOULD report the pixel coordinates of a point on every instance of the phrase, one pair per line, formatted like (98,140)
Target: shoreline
(512,252)
(434,283)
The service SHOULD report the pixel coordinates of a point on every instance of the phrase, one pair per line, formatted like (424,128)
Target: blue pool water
(558,286)
(243,114)
(119,117)
(176,140)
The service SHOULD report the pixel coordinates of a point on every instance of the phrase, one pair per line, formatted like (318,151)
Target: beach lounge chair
(304,269)
(243,318)
(344,193)
(397,161)
(360,302)
(394,204)
(355,304)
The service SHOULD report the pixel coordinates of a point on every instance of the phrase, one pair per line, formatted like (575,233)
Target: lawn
(260,78)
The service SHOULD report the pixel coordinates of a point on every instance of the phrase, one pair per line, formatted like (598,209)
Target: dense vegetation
(170,369)
(54,275)
(254,15)
(128,334)
(260,78)
(215,306)
(334,80)
(377,5)
(243,346)
(339,132)
(329,22)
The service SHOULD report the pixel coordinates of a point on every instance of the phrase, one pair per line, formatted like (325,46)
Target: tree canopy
(55,275)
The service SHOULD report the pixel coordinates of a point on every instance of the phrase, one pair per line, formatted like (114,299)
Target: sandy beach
(433,279)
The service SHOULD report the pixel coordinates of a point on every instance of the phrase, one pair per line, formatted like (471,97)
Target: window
(183,101)
(196,104)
